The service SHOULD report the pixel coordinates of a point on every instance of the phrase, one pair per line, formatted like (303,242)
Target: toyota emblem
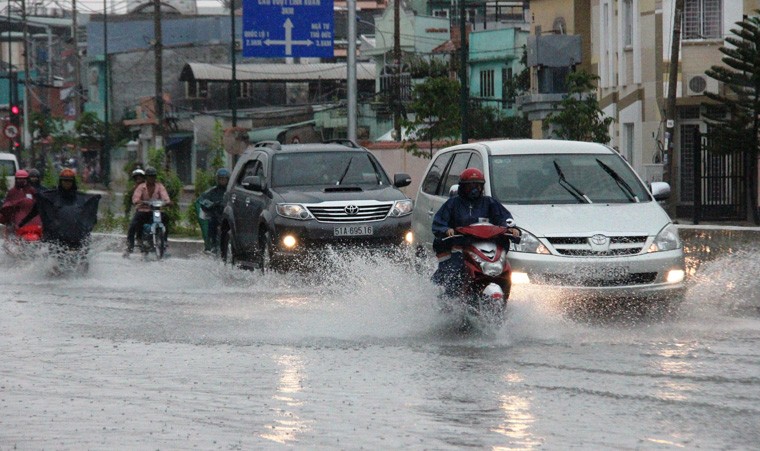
(599,240)
(351,210)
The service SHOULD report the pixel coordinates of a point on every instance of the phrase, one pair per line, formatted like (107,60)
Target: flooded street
(186,354)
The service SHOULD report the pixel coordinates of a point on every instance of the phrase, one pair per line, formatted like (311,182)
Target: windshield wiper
(345,171)
(572,189)
(625,187)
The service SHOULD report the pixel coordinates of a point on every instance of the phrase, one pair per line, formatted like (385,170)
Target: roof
(275,72)
(539,146)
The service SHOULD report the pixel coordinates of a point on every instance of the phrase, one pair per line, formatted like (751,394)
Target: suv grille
(350,212)
(581,246)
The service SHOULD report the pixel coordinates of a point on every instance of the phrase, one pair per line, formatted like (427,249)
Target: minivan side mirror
(660,190)
(254,183)
(454,190)
(400,180)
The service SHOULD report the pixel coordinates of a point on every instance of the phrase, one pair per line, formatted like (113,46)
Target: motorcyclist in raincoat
(467,207)
(35,181)
(212,204)
(150,190)
(19,202)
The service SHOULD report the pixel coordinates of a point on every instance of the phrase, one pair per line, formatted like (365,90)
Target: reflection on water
(674,361)
(287,425)
(518,418)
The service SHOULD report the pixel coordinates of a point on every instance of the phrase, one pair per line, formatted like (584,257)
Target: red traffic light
(16,144)
(15,109)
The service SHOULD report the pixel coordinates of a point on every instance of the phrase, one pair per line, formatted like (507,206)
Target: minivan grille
(643,278)
(581,246)
(348,213)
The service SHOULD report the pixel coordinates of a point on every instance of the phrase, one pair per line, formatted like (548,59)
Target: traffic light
(16,115)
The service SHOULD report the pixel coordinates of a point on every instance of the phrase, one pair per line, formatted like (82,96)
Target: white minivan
(590,226)
(8,166)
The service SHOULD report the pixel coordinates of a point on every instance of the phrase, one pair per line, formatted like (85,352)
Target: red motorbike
(483,286)
(18,241)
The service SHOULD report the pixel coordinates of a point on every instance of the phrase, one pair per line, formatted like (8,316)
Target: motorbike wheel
(159,243)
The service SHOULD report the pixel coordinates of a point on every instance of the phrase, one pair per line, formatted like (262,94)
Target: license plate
(360,230)
(602,272)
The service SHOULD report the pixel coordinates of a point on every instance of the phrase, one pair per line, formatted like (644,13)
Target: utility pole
(463,92)
(397,68)
(670,112)
(77,62)
(351,71)
(105,164)
(233,59)
(158,53)
(25,36)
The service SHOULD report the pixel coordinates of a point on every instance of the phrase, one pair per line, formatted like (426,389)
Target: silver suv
(590,226)
(284,201)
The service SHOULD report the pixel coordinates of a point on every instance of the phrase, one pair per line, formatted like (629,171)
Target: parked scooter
(483,287)
(154,232)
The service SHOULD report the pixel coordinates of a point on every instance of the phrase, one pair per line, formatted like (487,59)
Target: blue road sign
(288,28)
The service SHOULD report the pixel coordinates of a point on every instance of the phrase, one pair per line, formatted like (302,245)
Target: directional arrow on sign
(288,42)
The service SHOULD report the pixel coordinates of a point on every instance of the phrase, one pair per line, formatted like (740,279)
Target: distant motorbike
(482,289)
(154,232)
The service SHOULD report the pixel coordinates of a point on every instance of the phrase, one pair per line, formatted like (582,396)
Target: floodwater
(189,354)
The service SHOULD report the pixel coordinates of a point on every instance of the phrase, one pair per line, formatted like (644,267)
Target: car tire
(227,247)
(263,259)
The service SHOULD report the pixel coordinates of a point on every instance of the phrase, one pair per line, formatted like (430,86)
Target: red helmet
(472,175)
(22,174)
(67,174)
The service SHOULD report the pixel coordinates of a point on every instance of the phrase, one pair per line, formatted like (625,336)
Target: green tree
(487,122)
(578,116)
(734,128)
(435,103)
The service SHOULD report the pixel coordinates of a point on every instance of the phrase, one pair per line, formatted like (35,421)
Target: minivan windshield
(564,179)
(326,168)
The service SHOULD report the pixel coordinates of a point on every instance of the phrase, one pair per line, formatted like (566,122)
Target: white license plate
(360,230)
(602,272)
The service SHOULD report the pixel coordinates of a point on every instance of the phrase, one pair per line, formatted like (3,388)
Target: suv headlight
(401,208)
(294,211)
(528,243)
(666,240)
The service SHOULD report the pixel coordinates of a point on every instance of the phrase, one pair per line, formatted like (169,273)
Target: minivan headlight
(401,208)
(294,211)
(666,240)
(528,243)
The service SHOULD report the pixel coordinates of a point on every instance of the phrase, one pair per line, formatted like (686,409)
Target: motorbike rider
(19,202)
(68,216)
(145,192)
(466,208)
(211,202)
(35,181)
(138,177)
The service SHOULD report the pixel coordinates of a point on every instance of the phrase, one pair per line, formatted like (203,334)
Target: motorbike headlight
(294,211)
(401,208)
(492,269)
(666,240)
(528,243)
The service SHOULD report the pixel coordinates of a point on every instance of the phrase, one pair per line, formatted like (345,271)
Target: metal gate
(720,191)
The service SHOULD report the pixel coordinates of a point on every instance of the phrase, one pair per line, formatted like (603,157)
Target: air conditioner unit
(697,85)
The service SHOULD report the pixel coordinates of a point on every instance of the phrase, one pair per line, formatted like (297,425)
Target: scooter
(482,288)
(154,232)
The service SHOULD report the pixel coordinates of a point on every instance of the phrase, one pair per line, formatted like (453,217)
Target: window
(702,19)
(627,23)
(486,83)
(441,13)
(196,89)
(245,89)
(457,166)
(628,142)
(507,87)
(433,178)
